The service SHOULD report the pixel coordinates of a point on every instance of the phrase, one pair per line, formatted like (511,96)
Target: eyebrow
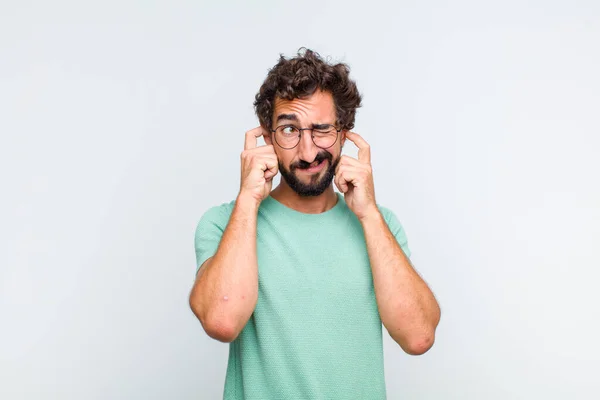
(288,117)
(294,117)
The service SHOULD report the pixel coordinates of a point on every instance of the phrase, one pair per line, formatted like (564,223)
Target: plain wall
(121,122)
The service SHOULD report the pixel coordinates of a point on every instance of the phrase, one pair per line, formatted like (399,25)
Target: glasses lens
(287,136)
(326,137)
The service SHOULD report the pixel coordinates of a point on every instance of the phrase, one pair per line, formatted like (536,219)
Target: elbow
(418,345)
(221,331)
(416,342)
(216,328)
(421,342)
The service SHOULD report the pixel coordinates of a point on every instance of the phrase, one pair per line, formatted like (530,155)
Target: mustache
(304,165)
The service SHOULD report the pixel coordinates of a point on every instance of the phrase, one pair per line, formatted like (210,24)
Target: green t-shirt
(315,332)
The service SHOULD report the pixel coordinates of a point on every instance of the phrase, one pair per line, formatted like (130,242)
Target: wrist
(372,215)
(247,202)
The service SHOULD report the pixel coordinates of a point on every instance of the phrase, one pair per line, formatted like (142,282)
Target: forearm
(407,307)
(226,288)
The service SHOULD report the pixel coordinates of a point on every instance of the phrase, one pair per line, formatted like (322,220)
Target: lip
(316,168)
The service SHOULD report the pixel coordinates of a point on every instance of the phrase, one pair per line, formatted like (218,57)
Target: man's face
(306,168)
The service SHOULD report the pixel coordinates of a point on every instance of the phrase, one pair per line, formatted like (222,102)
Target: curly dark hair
(300,77)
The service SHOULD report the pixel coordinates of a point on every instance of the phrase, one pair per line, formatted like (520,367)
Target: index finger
(364,150)
(252,136)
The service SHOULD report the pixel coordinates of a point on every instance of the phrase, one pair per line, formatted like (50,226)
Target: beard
(318,182)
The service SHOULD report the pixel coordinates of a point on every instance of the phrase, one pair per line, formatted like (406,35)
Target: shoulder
(217,215)
(391,220)
(223,209)
(387,213)
(396,228)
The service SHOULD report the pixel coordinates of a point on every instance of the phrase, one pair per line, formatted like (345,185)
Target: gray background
(122,122)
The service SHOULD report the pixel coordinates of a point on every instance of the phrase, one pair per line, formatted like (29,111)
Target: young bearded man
(300,279)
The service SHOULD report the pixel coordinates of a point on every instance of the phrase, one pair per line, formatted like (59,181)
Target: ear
(267,137)
(343,138)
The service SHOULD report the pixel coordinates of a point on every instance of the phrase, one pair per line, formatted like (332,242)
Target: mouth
(315,167)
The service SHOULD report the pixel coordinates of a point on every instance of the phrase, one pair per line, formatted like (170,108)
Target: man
(299,279)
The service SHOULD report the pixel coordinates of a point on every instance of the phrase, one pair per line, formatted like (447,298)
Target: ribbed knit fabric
(315,332)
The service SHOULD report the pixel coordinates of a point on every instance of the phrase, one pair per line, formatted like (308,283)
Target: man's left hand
(354,178)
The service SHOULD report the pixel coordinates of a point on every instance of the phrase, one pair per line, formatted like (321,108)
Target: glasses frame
(312,136)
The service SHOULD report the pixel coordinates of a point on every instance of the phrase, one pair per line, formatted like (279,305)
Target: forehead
(317,108)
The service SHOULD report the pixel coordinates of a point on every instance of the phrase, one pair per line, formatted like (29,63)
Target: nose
(307,150)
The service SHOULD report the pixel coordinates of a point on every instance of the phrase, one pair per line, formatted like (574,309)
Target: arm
(225,292)
(408,308)
(226,288)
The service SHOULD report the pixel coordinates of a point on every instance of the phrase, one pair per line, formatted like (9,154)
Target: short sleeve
(209,232)
(396,228)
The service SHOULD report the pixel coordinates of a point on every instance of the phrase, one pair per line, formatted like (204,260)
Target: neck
(304,204)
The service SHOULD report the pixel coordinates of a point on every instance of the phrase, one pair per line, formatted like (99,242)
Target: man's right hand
(259,166)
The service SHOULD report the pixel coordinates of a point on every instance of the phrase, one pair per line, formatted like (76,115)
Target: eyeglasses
(288,136)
